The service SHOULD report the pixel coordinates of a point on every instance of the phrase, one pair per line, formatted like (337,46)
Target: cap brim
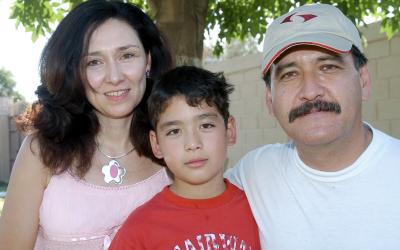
(328,41)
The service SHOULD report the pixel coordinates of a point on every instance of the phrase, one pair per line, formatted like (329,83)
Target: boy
(192,128)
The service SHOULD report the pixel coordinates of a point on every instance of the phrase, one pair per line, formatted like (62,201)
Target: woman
(82,169)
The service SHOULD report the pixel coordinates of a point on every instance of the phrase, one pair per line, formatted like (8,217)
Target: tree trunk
(183,23)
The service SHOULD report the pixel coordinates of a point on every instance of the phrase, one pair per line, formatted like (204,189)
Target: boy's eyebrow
(207,115)
(168,124)
(121,48)
(176,122)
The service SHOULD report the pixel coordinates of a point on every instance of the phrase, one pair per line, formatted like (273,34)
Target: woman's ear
(148,65)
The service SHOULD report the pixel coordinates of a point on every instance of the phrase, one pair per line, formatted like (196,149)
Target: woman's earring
(147,74)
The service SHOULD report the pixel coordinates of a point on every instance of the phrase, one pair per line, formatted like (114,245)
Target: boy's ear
(154,145)
(231,131)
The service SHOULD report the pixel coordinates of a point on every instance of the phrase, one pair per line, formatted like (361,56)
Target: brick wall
(256,127)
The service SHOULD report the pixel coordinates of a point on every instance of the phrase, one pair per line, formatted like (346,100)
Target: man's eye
(329,67)
(288,75)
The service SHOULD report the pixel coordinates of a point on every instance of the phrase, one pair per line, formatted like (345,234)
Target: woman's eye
(128,56)
(93,63)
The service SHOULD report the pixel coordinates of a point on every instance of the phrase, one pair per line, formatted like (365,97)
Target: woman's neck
(114,134)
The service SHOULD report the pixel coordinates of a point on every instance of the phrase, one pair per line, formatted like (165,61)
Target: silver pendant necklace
(113,171)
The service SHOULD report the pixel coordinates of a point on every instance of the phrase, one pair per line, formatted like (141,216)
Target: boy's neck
(206,190)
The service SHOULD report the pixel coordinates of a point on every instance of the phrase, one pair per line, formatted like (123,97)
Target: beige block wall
(256,127)
(4,148)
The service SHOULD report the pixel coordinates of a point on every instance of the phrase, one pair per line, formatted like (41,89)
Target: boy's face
(193,142)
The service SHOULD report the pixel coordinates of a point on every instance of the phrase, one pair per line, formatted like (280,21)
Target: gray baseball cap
(321,25)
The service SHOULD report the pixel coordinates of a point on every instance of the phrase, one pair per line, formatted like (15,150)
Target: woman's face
(115,67)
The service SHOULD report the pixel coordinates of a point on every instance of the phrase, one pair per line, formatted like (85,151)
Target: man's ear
(365,82)
(231,131)
(154,145)
(268,100)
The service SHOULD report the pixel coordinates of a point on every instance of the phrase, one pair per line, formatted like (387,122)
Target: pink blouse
(75,214)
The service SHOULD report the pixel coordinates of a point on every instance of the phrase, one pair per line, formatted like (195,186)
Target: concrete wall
(10,137)
(4,139)
(256,127)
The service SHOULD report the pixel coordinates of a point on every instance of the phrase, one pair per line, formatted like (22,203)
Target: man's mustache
(318,105)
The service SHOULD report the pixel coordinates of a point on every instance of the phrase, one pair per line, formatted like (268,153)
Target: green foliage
(237,19)
(7,85)
(38,15)
(240,18)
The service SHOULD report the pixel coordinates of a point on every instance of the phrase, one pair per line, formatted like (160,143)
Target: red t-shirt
(168,221)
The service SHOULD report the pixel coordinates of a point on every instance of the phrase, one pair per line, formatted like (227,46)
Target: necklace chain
(114,157)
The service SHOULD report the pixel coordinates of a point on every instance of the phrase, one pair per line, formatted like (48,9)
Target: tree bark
(183,23)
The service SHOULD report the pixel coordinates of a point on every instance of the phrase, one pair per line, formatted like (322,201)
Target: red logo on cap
(306,17)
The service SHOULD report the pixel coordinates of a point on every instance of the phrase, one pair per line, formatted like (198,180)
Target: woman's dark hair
(63,119)
(359,60)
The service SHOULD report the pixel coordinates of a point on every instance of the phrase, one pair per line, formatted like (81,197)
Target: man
(336,185)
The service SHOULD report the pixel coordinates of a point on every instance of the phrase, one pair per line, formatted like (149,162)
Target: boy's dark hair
(196,85)
(358,57)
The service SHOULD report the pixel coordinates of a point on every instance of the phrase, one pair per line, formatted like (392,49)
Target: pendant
(113,172)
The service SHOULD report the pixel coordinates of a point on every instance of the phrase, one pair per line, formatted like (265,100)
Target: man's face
(316,95)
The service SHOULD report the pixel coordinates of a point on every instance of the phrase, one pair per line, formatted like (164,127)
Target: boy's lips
(196,163)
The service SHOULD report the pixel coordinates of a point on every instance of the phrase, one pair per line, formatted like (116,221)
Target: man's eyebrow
(281,67)
(334,57)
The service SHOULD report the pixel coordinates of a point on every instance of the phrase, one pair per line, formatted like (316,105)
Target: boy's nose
(193,142)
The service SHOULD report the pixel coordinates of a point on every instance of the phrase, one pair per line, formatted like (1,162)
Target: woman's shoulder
(29,161)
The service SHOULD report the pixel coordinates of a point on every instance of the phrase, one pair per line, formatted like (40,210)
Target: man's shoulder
(269,156)
(269,150)
(386,139)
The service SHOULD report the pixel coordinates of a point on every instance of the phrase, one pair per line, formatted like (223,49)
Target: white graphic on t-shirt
(210,241)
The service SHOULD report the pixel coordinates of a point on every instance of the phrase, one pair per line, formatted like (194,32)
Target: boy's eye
(207,125)
(172,132)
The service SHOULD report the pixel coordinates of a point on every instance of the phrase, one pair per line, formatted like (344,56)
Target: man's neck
(338,155)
